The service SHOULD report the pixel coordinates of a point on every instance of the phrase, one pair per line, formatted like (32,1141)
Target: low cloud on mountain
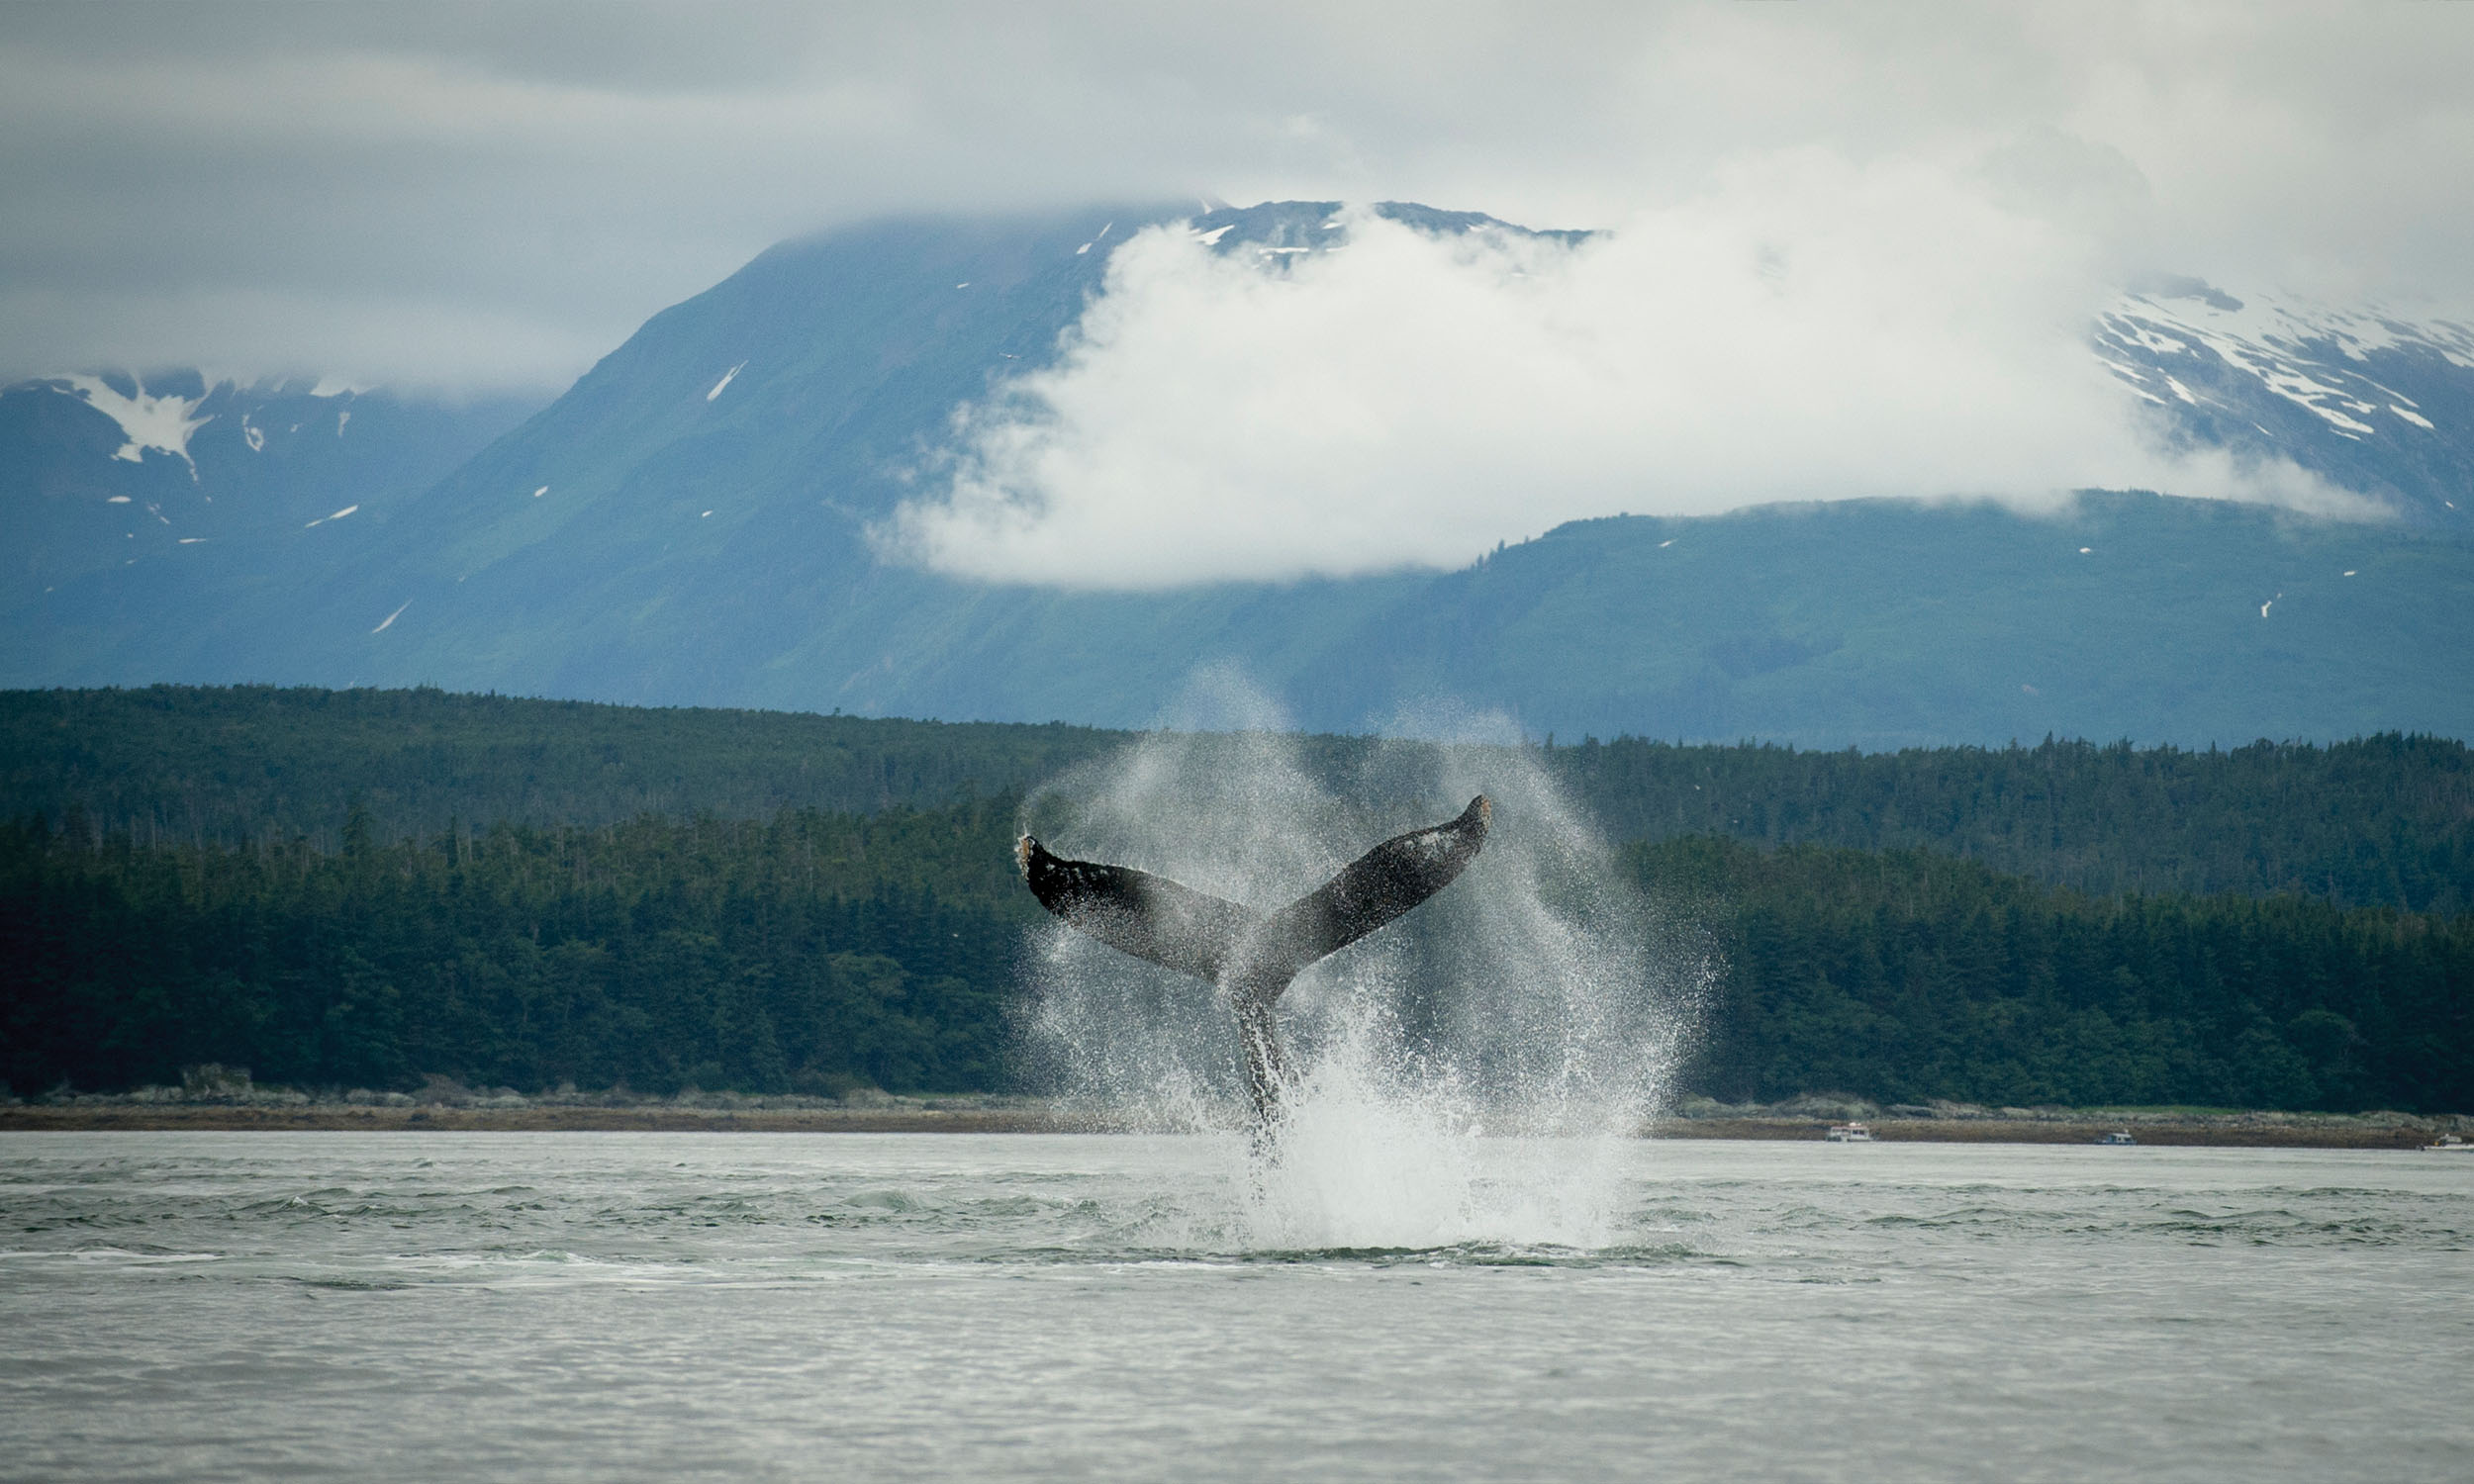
(1810,329)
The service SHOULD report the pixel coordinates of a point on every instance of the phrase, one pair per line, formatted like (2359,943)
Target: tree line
(820,951)
(267,763)
(1906,975)
(2376,821)
(813,952)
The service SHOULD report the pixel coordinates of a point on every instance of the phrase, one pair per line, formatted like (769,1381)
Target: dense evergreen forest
(359,889)
(1907,975)
(817,952)
(2378,821)
(812,953)
(2381,821)
(265,763)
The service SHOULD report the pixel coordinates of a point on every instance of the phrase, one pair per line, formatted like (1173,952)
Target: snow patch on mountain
(2365,396)
(163,425)
(2311,355)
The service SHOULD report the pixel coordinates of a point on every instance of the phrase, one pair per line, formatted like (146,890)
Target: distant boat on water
(2451,1142)
(1850,1133)
(2118,1136)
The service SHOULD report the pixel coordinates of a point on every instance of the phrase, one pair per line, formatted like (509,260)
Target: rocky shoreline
(905,1117)
(1813,1115)
(231,1103)
(2229,1131)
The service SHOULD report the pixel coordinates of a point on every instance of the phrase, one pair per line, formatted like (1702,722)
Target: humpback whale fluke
(1251,955)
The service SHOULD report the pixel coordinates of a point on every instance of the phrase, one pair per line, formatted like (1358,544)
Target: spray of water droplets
(1471,1074)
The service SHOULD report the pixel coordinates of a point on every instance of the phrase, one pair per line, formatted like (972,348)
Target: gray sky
(496,195)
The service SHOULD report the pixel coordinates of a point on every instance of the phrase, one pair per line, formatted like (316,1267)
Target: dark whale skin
(1253,956)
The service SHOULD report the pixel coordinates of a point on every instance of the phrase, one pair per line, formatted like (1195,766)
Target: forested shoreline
(823,953)
(343,890)
(1908,976)
(817,952)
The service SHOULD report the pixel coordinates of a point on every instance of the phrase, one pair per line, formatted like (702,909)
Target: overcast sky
(496,195)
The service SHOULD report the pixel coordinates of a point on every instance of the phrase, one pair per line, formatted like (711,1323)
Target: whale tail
(1376,888)
(1255,955)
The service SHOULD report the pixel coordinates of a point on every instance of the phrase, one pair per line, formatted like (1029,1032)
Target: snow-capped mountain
(104,470)
(2377,402)
(690,523)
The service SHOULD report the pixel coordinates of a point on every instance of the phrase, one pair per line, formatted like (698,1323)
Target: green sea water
(601,1305)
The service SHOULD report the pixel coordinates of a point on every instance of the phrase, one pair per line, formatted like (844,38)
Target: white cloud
(1811,329)
(557,172)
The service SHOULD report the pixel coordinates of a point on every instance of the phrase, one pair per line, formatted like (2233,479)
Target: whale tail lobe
(1253,955)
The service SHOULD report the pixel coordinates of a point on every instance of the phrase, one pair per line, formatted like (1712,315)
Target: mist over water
(1465,1076)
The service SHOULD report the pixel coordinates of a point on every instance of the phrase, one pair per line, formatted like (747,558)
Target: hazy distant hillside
(1889,624)
(100,472)
(689,525)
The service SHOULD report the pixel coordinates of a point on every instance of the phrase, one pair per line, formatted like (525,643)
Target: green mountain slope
(1891,624)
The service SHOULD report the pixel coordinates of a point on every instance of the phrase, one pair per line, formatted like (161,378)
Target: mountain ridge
(688,523)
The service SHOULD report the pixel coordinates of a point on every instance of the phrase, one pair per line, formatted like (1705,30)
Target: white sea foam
(1458,1077)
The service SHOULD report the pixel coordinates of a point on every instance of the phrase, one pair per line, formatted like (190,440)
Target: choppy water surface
(672,1306)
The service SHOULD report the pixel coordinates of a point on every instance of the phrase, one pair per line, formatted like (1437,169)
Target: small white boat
(1850,1133)
(2451,1142)
(2118,1136)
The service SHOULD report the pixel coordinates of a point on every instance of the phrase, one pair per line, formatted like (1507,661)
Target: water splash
(1466,1075)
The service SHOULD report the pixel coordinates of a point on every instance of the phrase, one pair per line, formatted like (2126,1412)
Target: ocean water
(600,1306)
